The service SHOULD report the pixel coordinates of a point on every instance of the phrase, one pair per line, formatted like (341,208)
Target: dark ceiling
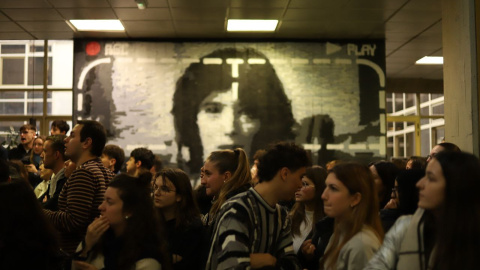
(412,28)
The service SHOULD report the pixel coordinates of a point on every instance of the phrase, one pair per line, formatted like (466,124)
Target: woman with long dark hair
(27,239)
(128,234)
(444,232)
(384,174)
(173,197)
(308,208)
(350,199)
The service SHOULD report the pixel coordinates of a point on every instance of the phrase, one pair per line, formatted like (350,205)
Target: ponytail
(236,162)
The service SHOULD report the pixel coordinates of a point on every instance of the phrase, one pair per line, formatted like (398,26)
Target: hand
(79,265)
(31,168)
(259,260)
(308,249)
(94,231)
(392,204)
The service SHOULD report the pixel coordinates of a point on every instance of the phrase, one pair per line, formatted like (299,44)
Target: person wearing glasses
(173,198)
(404,197)
(444,146)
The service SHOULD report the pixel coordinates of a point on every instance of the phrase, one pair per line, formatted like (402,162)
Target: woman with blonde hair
(350,199)
(224,174)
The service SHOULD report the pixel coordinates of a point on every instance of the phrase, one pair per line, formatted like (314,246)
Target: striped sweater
(78,202)
(247,224)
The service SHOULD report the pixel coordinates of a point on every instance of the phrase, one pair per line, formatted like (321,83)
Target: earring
(126,217)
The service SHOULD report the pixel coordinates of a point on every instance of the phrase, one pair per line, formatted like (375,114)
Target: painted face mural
(184,100)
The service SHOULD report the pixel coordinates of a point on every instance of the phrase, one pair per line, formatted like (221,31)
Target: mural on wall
(183,100)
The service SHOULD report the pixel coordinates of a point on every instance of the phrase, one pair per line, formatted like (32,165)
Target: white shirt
(305,228)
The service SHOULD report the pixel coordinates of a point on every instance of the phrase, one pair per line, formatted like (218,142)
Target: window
(23,94)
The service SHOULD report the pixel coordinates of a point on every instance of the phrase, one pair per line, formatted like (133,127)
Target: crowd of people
(74,202)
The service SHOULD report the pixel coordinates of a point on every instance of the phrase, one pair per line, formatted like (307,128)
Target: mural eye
(213,107)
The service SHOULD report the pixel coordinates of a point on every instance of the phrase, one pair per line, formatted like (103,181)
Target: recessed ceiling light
(430,60)
(252,25)
(97,25)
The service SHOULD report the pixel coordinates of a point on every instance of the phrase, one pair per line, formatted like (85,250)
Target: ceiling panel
(146,26)
(54,35)
(197,3)
(33,14)
(3,17)
(259,4)
(87,13)
(192,14)
(10,27)
(317,3)
(255,13)
(24,4)
(15,35)
(135,14)
(79,3)
(41,26)
(411,28)
(131,3)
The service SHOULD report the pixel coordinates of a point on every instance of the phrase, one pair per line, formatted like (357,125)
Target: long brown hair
(317,174)
(186,210)
(358,179)
(236,162)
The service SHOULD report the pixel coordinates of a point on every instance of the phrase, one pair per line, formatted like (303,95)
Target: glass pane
(409,100)
(389,147)
(34,48)
(13,70)
(61,102)
(425,139)
(401,146)
(434,96)
(34,108)
(438,110)
(13,49)
(410,144)
(35,71)
(398,102)
(11,95)
(439,134)
(423,98)
(12,108)
(390,126)
(409,124)
(61,66)
(35,94)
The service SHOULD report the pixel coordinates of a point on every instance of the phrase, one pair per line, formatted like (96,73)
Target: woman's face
(337,200)
(112,208)
(38,146)
(307,192)
(165,195)
(222,125)
(212,179)
(432,187)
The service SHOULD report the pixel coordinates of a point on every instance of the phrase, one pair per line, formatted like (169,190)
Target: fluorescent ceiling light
(252,25)
(430,60)
(97,25)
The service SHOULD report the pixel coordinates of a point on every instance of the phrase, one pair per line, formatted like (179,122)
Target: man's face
(48,155)
(131,166)
(108,162)
(294,182)
(27,136)
(73,146)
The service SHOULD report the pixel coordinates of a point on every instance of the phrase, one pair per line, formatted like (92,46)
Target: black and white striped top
(247,224)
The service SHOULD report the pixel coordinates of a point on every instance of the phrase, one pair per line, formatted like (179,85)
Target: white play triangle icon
(332,48)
